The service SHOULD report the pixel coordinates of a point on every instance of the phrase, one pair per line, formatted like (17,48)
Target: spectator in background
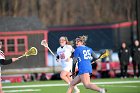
(32,77)
(26,77)
(124,54)
(43,77)
(136,57)
(36,76)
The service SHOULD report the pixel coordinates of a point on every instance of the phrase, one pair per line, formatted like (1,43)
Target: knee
(62,76)
(87,86)
(72,84)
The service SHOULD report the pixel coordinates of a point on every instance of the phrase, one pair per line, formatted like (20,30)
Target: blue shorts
(80,73)
(85,69)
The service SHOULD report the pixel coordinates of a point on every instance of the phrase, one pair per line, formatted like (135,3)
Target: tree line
(71,12)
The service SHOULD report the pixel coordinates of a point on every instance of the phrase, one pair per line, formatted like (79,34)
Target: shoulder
(69,46)
(128,48)
(1,52)
(59,48)
(89,48)
(2,55)
(77,49)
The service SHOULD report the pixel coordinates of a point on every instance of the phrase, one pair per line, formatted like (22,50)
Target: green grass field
(117,85)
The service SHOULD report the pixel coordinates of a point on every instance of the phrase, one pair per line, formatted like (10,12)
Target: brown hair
(67,41)
(82,39)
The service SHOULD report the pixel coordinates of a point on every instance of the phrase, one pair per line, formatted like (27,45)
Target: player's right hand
(14,59)
(57,60)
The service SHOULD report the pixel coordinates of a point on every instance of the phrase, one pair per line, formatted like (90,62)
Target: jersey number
(87,54)
(62,56)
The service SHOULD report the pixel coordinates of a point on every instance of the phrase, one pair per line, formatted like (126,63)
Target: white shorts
(67,66)
(68,69)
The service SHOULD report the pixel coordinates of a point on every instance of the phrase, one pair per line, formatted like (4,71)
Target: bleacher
(113,67)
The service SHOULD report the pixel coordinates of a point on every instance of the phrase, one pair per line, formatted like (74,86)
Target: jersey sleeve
(5,62)
(70,48)
(94,56)
(2,55)
(57,51)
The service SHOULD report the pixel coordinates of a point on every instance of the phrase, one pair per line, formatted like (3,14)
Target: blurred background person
(43,77)
(136,58)
(124,54)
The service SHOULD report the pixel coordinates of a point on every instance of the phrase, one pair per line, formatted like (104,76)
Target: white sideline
(122,86)
(52,85)
(25,90)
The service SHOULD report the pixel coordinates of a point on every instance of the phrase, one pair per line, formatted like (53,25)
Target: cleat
(103,90)
(77,91)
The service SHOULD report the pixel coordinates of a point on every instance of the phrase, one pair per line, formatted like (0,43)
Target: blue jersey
(83,54)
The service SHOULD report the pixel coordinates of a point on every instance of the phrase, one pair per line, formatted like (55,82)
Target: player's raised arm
(9,61)
(94,57)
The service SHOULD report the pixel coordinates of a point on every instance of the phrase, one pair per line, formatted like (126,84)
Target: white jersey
(64,54)
(2,55)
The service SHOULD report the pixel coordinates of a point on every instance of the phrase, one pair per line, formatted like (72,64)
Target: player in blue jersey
(84,55)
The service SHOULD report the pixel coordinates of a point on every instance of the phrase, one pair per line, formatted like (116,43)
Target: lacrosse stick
(45,44)
(103,55)
(30,52)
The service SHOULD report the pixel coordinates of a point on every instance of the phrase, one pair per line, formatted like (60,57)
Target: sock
(100,90)
(76,88)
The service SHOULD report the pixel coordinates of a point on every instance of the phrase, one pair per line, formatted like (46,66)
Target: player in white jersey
(4,62)
(64,53)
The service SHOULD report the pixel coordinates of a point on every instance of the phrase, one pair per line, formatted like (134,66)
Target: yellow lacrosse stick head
(31,51)
(105,54)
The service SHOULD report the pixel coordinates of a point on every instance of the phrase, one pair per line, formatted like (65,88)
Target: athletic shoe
(103,90)
(125,77)
(76,90)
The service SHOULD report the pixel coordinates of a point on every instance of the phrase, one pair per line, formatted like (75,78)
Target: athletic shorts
(68,69)
(84,68)
(66,66)
(85,71)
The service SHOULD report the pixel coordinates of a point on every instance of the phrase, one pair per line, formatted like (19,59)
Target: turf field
(128,85)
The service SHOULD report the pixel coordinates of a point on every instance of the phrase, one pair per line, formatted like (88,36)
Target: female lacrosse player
(64,53)
(83,55)
(4,62)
